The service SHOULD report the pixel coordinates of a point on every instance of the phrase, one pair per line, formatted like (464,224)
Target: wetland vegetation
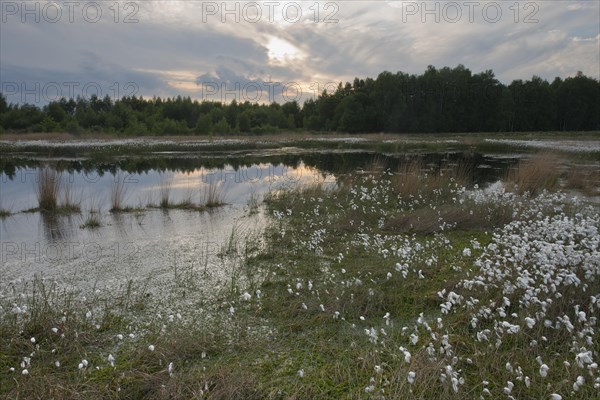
(367,275)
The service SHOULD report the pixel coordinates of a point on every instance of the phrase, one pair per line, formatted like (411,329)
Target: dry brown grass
(69,202)
(584,180)
(50,187)
(117,194)
(413,179)
(166,184)
(377,165)
(213,195)
(534,175)
(49,182)
(451,217)
(309,190)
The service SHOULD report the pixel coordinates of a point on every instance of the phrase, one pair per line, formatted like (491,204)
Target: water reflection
(146,241)
(95,192)
(325,162)
(56,227)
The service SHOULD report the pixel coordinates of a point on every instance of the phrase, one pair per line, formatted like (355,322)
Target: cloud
(226,85)
(175,43)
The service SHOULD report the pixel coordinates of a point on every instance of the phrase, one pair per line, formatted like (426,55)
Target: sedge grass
(118,193)
(323,313)
(51,188)
(533,175)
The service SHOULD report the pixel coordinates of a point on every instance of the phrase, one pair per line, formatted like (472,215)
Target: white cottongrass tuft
(530,322)
(509,387)
(414,339)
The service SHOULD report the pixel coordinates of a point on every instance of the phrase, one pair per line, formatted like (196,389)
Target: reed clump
(415,180)
(541,172)
(50,187)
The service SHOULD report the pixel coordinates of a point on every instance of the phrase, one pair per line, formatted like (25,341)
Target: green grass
(257,351)
(59,210)
(128,209)
(92,222)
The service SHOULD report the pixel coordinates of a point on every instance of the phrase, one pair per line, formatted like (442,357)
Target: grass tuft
(415,180)
(409,284)
(584,180)
(540,172)
(93,220)
(117,194)
(166,184)
(49,183)
(213,195)
(50,188)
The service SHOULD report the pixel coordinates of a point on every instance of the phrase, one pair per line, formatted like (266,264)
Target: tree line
(439,100)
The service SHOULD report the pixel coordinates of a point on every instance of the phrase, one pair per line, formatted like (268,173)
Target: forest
(439,100)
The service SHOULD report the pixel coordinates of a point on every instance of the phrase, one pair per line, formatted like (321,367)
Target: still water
(153,242)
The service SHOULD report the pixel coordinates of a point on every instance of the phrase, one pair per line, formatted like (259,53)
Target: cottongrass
(529,288)
(112,342)
(360,312)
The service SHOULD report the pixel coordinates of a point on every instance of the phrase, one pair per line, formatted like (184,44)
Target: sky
(279,50)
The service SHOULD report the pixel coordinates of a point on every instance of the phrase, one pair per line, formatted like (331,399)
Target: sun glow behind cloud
(174,43)
(281,51)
